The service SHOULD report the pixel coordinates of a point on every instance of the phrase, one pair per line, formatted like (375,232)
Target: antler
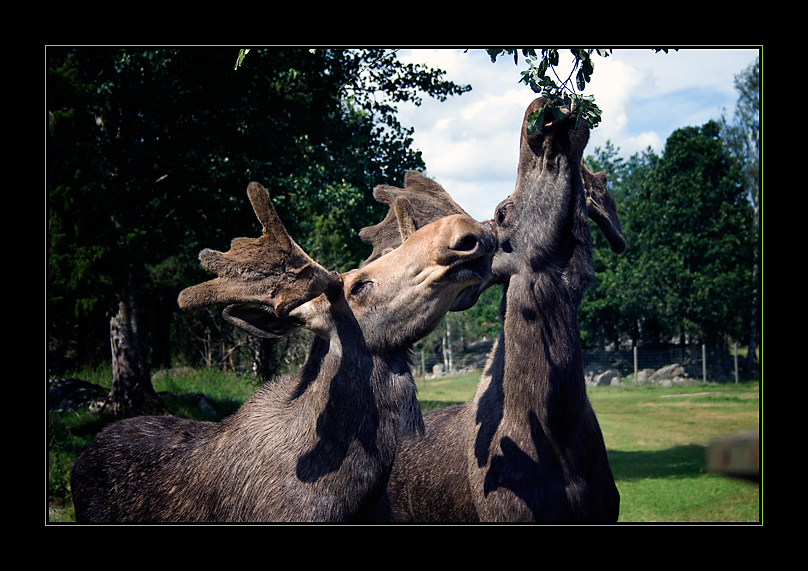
(271,270)
(421,201)
(602,209)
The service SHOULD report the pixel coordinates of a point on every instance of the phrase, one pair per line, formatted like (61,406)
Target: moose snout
(466,243)
(473,242)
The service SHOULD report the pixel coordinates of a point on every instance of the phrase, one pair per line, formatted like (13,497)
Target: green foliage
(688,224)
(742,135)
(149,153)
(242,53)
(691,224)
(560,93)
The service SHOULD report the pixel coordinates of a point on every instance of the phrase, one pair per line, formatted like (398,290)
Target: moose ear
(405,217)
(602,209)
(421,201)
(260,321)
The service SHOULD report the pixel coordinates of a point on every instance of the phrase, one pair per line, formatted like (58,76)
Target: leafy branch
(542,77)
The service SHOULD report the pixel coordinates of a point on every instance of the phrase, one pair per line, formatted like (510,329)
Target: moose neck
(542,365)
(363,403)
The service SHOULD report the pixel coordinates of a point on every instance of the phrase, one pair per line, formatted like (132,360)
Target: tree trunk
(753,345)
(264,365)
(132,392)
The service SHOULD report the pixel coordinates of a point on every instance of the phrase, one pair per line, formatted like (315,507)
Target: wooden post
(735,346)
(704,362)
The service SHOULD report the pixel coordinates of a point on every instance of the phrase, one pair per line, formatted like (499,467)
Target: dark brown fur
(528,446)
(315,446)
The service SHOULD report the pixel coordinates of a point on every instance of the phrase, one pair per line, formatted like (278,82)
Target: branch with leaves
(542,77)
(560,93)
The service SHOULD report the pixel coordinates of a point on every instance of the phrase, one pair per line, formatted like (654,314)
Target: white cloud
(470,143)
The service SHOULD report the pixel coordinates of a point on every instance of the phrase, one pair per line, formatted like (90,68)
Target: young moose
(316,446)
(528,446)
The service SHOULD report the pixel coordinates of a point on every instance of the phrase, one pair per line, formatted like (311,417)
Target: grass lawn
(656,439)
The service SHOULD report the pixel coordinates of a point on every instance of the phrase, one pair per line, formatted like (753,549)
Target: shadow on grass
(687,461)
(678,462)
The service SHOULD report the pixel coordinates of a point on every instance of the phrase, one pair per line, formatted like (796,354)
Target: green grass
(69,433)
(656,439)
(446,391)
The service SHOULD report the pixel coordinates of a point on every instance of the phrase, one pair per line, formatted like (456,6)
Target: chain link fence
(637,364)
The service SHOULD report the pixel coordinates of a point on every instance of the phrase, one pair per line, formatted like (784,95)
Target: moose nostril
(466,244)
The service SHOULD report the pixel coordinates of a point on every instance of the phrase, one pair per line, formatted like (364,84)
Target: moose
(317,445)
(528,446)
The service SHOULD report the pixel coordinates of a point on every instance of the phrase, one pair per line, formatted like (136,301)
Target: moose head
(272,287)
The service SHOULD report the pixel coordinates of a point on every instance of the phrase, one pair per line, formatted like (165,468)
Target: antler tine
(270,222)
(421,201)
(271,270)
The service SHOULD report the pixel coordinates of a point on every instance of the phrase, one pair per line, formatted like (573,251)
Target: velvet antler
(421,201)
(271,270)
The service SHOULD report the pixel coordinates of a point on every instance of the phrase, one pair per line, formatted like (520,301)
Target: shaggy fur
(315,446)
(528,446)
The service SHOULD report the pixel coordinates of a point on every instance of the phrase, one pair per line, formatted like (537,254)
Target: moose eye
(357,287)
(502,213)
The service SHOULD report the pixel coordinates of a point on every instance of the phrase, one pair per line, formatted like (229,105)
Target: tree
(689,225)
(610,309)
(149,153)
(743,140)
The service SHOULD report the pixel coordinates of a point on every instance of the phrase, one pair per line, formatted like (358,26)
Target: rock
(607,378)
(668,372)
(205,405)
(591,371)
(72,394)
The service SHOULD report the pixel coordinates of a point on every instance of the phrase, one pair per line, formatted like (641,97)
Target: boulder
(643,376)
(668,372)
(73,394)
(591,371)
(610,377)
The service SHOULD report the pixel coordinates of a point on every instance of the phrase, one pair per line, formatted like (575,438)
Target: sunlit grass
(656,439)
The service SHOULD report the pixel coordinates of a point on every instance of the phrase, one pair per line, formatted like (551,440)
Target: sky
(470,142)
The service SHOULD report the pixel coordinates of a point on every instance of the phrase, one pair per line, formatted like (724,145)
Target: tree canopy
(149,153)
(688,223)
